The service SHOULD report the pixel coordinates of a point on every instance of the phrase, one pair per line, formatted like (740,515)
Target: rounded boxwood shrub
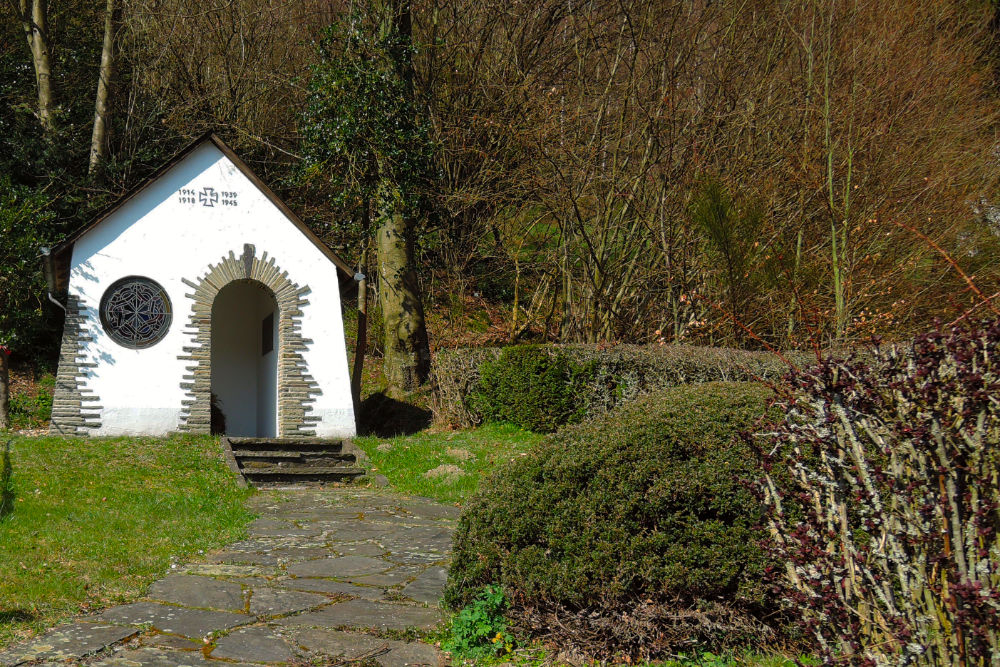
(634,532)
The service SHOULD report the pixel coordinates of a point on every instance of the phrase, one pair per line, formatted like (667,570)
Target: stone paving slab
(331,587)
(73,641)
(151,657)
(428,587)
(222,570)
(201,592)
(394,577)
(362,549)
(346,530)
(268,601)
(175,620)
(429,509)
(245,558)
(255,644)
(257,546)
(406,654)
(172,642)
(291,554)
(351,647)
(416,557)
(365,614)
(317,562)
(290,531)
(342,566)
(347,646)
(419,538)
(264,523)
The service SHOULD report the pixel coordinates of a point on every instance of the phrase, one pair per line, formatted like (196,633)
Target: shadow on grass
(16,616)
(384,417)
(6,486)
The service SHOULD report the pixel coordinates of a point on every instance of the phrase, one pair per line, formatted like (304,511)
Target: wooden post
(4,389)
(362,342)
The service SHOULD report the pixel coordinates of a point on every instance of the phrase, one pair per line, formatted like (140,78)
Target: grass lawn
(96,520)
(406,460)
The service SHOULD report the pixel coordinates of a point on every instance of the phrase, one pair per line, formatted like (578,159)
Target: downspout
(50,275)
(362,343)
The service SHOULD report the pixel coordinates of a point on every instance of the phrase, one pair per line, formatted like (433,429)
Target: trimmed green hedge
(536,388)
(541,387)
(635,527)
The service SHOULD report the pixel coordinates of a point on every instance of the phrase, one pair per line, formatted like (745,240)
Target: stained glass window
(135,312)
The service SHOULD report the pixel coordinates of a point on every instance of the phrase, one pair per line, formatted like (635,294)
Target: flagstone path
(326,576)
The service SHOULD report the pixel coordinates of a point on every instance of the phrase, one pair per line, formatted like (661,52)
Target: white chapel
(200,303)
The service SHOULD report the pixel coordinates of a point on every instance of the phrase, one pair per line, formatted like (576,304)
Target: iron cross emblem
(208,197)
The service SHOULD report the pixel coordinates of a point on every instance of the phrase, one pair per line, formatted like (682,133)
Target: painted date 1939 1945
(207,196)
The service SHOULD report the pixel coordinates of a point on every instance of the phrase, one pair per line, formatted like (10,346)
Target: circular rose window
(135,312)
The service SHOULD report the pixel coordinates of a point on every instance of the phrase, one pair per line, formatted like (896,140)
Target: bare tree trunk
(98,140)
(34,19)
(4,390)
(407,353)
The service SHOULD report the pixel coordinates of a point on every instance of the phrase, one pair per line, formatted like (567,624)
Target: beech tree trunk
(407,360)
(407,353)
(4,391)
(98,139)
(34,19)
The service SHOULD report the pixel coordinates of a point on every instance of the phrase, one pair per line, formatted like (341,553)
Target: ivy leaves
(25,224)
(363,132)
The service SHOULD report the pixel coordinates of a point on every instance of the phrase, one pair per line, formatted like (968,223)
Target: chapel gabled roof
(62,251)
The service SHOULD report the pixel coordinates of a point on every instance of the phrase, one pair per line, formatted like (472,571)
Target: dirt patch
(445,471)
(30,400)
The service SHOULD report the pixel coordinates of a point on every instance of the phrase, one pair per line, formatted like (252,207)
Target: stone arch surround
(297,390)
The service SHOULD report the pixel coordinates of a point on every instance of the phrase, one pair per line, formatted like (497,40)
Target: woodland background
(758,174)
(752,173)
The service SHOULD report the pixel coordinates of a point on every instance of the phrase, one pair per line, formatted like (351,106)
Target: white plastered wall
(167,233)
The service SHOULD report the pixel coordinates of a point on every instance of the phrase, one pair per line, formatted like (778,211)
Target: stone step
(283,443)
(317,448)
(283,458)
(290,460)
(324,462)
(291,470)
(264,477)
(266,454)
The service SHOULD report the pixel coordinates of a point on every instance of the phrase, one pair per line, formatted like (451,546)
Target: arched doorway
(297,389)
(245,359)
